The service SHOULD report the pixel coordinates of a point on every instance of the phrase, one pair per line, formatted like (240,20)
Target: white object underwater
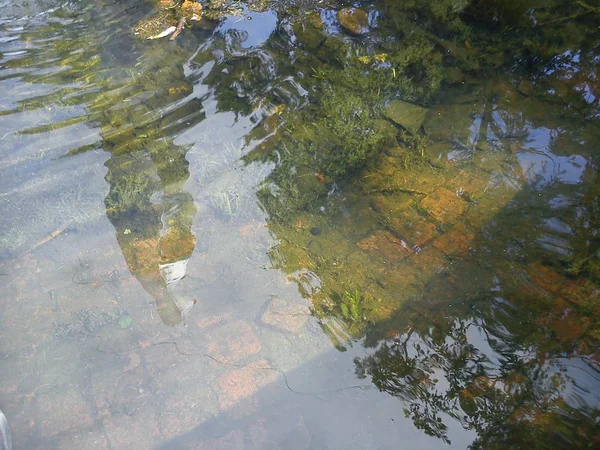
(165,33)
(5,438)
(175,271)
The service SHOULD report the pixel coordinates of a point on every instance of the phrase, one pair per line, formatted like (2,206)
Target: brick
(160,357)
(238,385)
(120,395)
(386,246)
(428,261)
(135,431)
(134,362)
(181,374)
(84,439)
(472,183)
(22,413)
(206,322)
(232,342)
(61,411)
(186,408)
(201,269)
(235,386)
(489,205)
(285,315)
(413,228)
(391,204)
(444,206)
(456,242)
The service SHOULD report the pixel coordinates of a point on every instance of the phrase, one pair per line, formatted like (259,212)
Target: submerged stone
(414,228)
(315,231)
(386,246)
(454,75)
(444,206)
(309,35)
(354,20)
(286,316)
(153,26)
(191,10)
(406,115)
(456,242)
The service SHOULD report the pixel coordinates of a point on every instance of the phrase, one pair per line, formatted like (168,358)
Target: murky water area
(300,226)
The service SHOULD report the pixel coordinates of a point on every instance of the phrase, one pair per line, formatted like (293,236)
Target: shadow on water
(289,411)
(512,358)
(430,186)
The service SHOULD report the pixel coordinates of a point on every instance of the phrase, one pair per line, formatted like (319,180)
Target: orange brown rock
(415,229)
(443,205)
(232,342)
(237,385)
(354,20)
(63,411)
(286,316)
(456,242)
(386,245)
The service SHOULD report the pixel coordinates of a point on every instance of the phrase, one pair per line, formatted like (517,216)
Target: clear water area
(296,226)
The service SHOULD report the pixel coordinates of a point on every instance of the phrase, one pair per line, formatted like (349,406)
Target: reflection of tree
(487,368)
(516,366)
(146,204)
(490,367)
(137,98)
(511,395)
(152,217)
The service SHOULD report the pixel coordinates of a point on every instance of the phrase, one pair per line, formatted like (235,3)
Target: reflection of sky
(588,95)
(579,373)
(568,61)
(542,167)
(330,21)
(560,201)
(565,67)
(585,385)
(493,348)
(255,26)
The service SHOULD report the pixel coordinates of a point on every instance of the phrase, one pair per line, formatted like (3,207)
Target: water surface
(230,240)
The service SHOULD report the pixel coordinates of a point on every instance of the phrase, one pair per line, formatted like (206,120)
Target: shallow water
(187,262)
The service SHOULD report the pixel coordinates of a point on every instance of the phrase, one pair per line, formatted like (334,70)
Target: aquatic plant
(352,306)
(127,192)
